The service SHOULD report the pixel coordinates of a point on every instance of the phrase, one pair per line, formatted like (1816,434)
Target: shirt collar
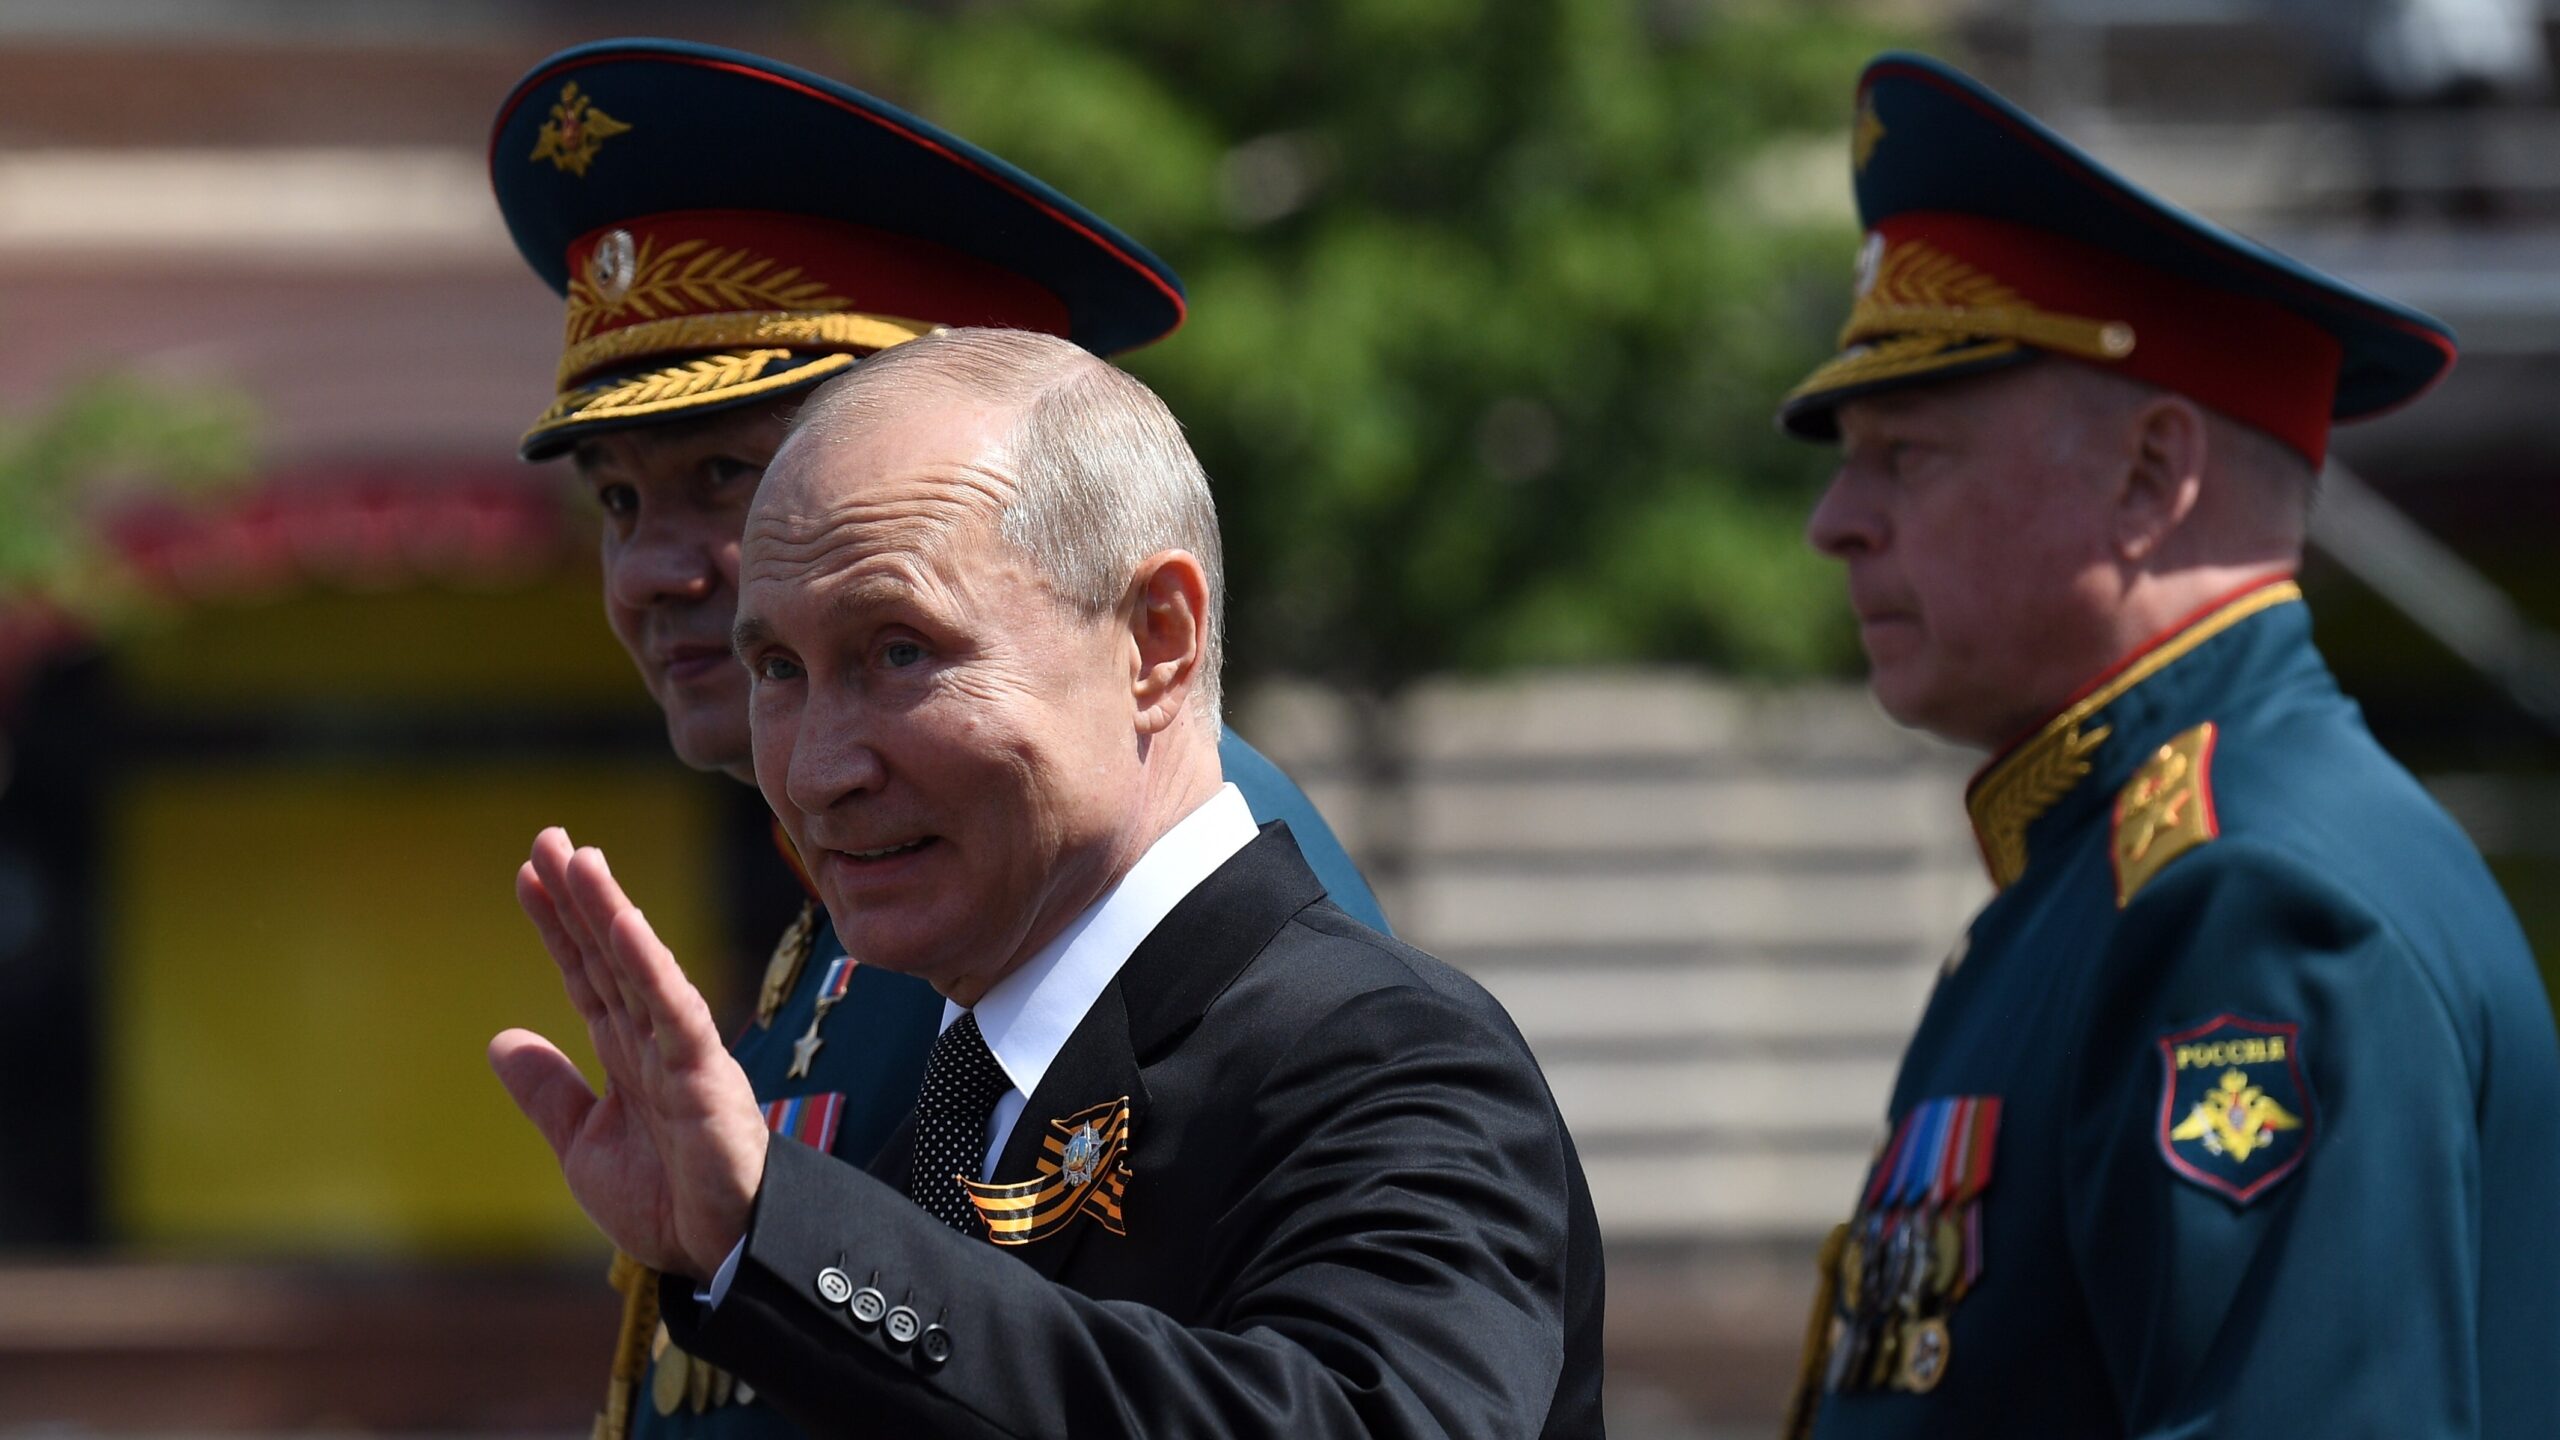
(1027,1016)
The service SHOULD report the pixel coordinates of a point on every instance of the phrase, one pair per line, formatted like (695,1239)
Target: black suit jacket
(1352,1210)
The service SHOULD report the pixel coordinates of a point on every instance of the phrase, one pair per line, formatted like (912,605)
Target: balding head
(976,601)
(1091,474)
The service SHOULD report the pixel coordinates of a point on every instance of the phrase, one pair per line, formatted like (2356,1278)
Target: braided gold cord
(739,330)
(639,1286)
(1807,1400)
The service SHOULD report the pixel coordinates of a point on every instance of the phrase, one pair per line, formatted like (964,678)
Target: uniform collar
(1028,1015)
(790,854)
(2106,726)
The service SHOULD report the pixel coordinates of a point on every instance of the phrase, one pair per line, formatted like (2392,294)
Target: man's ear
(1168,614)
(2163,475)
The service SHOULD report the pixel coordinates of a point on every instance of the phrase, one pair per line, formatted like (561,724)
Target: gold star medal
(804,1051)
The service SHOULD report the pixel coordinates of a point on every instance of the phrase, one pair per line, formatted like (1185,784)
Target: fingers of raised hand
(611,1027)
(536,900)
(680,1018)
(554,862)
(599,901)
(552,854)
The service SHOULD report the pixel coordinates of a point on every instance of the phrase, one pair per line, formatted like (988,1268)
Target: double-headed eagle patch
(575,131)
(2235,1112)
(1082,1169)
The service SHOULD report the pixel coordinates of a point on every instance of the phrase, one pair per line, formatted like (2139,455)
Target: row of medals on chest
(1901,1273)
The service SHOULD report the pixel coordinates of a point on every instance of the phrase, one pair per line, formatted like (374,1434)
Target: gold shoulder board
(2164,811)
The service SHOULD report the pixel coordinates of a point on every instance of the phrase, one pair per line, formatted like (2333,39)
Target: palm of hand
(667,1161)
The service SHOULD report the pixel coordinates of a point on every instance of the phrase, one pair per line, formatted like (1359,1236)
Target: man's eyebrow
(871,592)
(875,592)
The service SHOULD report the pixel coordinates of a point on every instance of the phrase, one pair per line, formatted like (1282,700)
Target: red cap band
(2251,360)
(643,287)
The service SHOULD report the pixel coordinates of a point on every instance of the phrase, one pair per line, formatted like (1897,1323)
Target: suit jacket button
(867,1306)
(834,1286)
(901,1325)
(933,1347)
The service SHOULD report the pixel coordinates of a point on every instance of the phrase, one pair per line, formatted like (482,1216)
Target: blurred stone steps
(1714,911)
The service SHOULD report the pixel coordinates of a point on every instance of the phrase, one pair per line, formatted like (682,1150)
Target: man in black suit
(1248,1167)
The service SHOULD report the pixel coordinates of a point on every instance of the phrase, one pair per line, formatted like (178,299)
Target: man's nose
(834,758)
(1843,523)
(661,563)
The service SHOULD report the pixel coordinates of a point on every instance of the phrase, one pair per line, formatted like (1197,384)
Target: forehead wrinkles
(797,527)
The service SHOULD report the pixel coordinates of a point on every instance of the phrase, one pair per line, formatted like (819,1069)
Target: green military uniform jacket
(2236,1112)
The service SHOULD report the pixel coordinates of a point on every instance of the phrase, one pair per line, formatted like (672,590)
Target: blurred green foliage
(103,437)
(1490,307)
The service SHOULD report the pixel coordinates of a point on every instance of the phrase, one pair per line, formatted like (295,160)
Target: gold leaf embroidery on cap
(1920,289)
(690,277)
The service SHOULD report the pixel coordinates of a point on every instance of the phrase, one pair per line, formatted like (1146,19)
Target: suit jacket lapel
(1183,965)
(1191,958)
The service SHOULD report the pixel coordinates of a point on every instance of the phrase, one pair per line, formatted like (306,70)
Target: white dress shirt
(1027,1016)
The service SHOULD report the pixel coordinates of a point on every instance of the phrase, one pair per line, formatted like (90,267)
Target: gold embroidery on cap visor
(738,330)
(688,384)
(1924,311)
(724,318)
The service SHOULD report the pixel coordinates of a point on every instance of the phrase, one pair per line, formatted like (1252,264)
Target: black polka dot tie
(962,1083)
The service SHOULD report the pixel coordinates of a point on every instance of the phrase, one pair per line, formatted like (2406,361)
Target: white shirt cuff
(728,1271)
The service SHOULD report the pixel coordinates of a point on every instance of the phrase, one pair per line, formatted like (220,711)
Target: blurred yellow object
(542,645)
(306,961)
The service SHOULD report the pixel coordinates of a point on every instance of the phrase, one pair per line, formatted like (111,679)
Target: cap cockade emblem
(613,265)
(1870,264)
(575,131)
(1083,1169)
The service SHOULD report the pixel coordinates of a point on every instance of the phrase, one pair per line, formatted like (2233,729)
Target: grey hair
(1102,476)
(2279,475)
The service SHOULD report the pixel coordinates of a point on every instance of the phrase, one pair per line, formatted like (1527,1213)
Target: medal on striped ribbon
(1915,1247)
(804,1051)
(809,1119)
